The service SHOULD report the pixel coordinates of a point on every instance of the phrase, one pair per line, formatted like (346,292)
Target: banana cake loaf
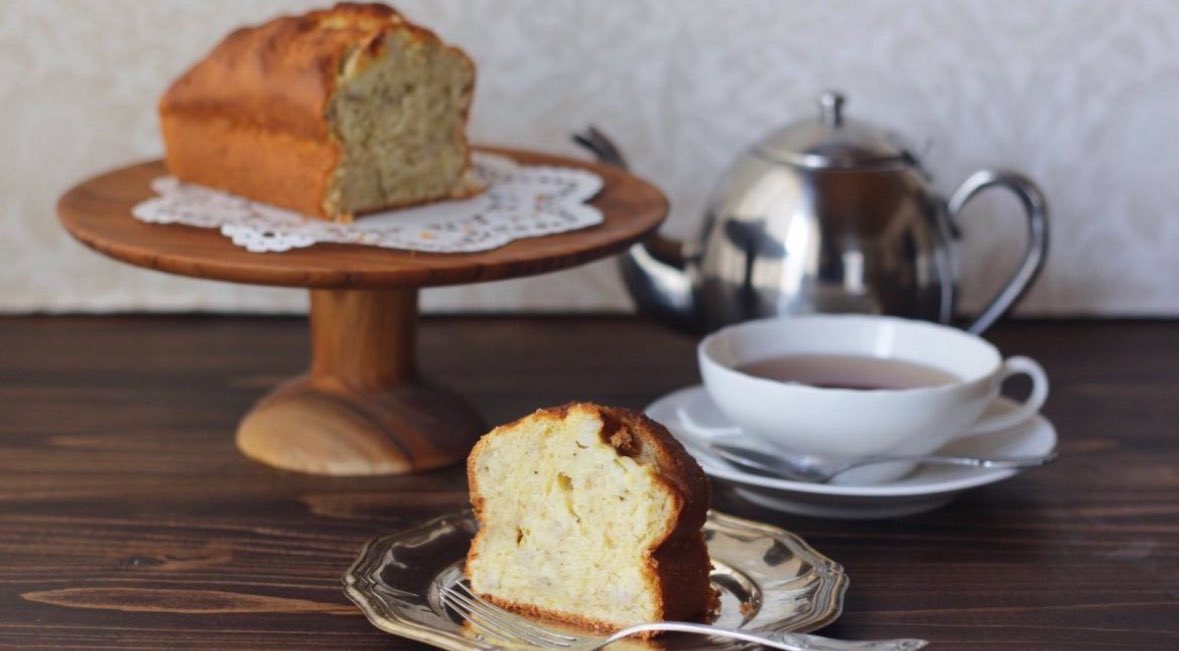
(332,114)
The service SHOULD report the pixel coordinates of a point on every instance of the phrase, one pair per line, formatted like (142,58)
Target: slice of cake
(331,114)
(589,515)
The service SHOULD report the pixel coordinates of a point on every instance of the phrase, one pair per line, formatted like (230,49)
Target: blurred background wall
(1082,95)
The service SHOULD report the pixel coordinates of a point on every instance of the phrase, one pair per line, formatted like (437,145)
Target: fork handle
(777,639)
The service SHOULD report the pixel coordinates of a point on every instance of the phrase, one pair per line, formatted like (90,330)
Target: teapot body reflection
(823,216)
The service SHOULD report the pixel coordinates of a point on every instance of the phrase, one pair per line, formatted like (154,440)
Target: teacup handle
(1036,207)
(1030,407)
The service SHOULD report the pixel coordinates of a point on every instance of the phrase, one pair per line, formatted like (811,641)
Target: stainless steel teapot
(824,215)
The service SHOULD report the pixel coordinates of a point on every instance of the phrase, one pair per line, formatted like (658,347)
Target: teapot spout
(656,275)
(655,272)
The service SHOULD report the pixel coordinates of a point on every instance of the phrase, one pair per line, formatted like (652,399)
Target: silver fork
(514,630)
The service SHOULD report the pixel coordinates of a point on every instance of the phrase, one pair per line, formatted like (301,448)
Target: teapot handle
(1036,207)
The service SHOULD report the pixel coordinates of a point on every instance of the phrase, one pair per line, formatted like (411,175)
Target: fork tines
(499,623)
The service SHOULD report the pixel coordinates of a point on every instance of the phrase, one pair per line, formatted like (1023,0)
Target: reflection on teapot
(825,215)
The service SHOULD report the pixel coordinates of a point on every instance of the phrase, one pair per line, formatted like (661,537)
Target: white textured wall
(1082,95)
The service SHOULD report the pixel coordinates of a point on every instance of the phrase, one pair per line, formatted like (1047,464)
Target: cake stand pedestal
(362,408)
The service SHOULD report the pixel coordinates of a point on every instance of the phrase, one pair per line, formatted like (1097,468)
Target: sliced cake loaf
(589,515)
(332,114)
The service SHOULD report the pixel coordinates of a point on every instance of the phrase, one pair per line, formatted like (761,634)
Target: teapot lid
(833,141)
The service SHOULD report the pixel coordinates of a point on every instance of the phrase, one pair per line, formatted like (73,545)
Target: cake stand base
(362,410)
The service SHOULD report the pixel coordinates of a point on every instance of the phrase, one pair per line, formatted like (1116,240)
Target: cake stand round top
(98,213)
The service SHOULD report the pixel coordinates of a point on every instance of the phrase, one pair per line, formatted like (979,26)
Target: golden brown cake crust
(250,118)
(679,564)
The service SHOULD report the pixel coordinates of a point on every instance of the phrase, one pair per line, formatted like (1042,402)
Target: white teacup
(826,426)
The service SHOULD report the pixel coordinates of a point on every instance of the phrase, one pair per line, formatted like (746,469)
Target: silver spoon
(783,468)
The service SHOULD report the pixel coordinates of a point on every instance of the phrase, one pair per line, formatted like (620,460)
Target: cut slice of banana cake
(590,515)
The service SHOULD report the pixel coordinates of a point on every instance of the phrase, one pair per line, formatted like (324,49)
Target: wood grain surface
(97,212)
(128,520)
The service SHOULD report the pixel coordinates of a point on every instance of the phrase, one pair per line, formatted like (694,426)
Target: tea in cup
(828,389)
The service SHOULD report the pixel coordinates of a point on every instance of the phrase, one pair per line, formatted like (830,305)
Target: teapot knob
(831,108)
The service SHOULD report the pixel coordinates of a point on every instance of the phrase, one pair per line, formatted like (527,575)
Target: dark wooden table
(128,520)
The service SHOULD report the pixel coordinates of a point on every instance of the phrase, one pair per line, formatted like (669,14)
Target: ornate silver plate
(769,580)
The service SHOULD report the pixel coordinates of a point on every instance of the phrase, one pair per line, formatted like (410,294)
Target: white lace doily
(521,201)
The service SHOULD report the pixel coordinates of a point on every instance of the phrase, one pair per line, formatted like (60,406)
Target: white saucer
(926,488)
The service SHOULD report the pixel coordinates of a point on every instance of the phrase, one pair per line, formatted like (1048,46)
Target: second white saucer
(926,488)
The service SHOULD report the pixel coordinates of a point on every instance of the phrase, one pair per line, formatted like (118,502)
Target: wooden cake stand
(362,408)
